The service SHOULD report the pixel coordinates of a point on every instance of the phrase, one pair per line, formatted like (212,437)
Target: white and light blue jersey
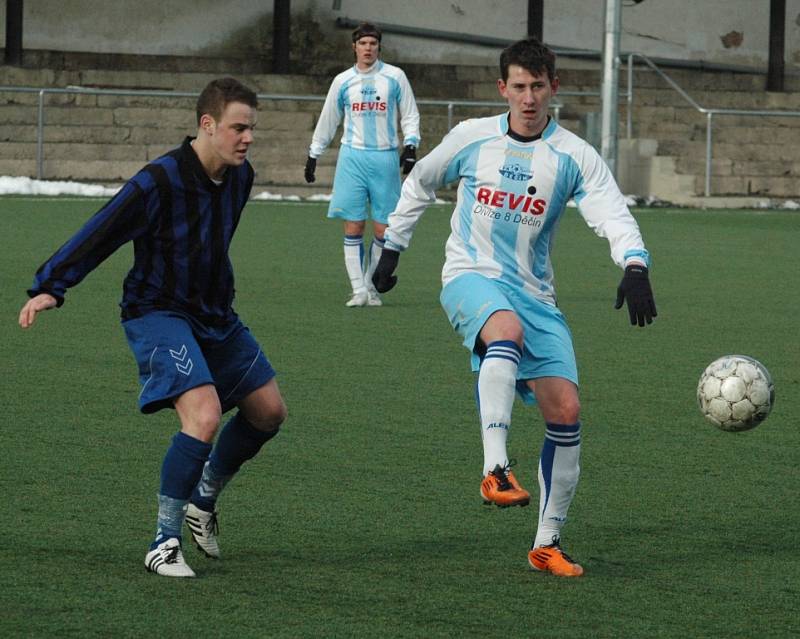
(369,102)
(511,196)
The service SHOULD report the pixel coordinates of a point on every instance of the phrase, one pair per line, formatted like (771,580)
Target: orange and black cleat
(552,559)
(501,488)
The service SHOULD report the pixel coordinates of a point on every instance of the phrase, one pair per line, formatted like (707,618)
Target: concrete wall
(719,31)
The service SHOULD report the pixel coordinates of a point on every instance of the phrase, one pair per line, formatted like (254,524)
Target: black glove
(408,158)
(311,166)
(635,288)
(382,278)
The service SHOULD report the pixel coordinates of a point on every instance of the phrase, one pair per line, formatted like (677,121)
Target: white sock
(559,469)
(353,258)
(497,381)
(374,255)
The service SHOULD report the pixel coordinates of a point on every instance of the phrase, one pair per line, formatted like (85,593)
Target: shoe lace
(213,524)
(501,474)
(556,544)
(172,555)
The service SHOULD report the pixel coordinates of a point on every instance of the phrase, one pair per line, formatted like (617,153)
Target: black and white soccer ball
(735,393)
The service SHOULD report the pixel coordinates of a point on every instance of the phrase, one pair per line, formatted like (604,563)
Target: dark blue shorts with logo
(176,353)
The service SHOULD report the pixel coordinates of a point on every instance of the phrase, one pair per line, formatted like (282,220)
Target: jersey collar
(548,130)
(376,66)
(197,166)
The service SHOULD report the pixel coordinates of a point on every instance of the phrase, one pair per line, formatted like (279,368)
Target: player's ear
(207,123)
(501,87)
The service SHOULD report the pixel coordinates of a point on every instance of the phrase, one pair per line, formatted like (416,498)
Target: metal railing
(556,105)
(709,112)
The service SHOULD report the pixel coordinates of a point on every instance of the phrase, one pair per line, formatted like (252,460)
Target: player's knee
(205,423)
(513,333)
(570,411)
(566,411)
(278,417)
(271,419)
(503,326)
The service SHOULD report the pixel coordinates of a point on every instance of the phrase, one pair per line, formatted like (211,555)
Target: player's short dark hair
(220,93)
(529,54)
(366,29)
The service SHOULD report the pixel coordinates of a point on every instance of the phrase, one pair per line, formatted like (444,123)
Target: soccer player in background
(193,352)
(368,96)
(516,173)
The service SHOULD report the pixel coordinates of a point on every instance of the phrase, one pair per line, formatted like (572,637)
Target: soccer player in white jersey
(516,173)
(368,96)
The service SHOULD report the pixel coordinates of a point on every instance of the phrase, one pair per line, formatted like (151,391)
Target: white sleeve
(603,206)
(409,114)
(417,194)
(329,120)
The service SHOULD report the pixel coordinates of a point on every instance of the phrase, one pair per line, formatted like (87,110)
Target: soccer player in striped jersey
(369,96)
(516,172)
(193,352)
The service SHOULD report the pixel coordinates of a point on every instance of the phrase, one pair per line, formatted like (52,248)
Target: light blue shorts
(547,350)
(361,177)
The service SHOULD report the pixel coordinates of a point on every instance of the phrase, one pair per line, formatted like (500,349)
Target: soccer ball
(735,393)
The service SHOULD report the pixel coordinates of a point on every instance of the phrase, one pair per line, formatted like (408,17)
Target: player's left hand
(383,279)
(408,158)
(635,288)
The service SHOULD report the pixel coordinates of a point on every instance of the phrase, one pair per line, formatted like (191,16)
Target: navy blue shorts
(176,353)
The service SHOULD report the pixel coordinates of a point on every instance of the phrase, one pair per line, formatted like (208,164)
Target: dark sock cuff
(506,343)
(192,447)
(563,434)
(248,431)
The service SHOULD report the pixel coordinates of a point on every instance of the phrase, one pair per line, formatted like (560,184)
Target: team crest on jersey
(516,172)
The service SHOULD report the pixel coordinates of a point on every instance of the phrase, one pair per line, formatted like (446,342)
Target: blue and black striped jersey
(181,224)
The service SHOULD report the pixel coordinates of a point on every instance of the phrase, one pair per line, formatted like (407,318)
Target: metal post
(777,37)
(536,19)
(40,138)
(557,112)
(708,154)
(449,115)
(610,90)
(629,99)
(281,25)
(14,32)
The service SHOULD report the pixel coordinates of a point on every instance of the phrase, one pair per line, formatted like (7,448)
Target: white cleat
(166,560)
(358,299)
(373,298)
(204,528)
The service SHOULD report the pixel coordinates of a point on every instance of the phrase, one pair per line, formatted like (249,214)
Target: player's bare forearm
(41,302)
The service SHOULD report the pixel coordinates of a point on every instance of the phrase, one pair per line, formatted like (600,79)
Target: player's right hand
(383,279)
(41,302)
(311,166)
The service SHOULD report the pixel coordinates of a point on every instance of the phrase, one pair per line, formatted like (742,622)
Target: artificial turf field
(363,518)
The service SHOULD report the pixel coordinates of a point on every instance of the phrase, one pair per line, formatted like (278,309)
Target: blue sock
(238,442)
(180,472)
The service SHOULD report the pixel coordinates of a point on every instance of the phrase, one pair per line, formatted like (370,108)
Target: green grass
(362,519)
